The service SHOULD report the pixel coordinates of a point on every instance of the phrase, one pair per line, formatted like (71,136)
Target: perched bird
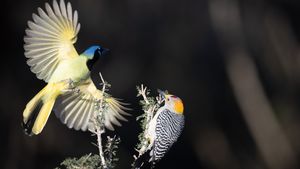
(164,129)
(52,57)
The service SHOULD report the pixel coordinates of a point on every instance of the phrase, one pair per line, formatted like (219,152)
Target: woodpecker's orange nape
(179,106)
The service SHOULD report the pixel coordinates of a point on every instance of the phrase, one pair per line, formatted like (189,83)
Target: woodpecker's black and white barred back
(161,131)
(168,128)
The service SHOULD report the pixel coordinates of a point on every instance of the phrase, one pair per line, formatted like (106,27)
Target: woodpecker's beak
(162,93)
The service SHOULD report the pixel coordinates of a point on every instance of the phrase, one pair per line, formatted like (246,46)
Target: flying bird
(49,47)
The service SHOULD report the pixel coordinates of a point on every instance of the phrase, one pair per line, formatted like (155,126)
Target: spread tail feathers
(46,99)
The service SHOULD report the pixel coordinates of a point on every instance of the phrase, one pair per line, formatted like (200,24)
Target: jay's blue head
(93,53)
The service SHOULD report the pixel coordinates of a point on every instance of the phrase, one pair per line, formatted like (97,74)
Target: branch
(150,107)
(106,156)
(143,92)
(98,121)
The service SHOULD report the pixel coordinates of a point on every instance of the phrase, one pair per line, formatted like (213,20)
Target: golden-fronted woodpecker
(165,127)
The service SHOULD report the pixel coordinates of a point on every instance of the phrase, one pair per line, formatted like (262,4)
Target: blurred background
(235,64)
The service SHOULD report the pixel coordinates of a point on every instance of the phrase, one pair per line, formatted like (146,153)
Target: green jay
(52,57)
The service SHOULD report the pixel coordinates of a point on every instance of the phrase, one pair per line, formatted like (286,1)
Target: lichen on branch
(150,105)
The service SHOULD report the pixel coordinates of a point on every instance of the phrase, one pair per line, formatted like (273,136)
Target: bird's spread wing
(77,109)
(50,38)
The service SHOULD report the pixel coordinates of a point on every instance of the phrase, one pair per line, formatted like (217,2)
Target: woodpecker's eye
(168,99)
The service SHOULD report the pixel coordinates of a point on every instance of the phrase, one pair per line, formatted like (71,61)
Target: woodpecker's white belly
(152,126)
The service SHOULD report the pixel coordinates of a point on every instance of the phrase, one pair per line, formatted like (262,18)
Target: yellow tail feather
(47,97)
(32,105)
(43,116)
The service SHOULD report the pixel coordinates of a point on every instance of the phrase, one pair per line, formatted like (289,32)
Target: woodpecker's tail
(143,161)
(37,111)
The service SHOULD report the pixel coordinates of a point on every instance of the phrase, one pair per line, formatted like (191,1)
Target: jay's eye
(101,50)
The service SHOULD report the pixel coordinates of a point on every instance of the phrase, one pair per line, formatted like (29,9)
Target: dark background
(234,63)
